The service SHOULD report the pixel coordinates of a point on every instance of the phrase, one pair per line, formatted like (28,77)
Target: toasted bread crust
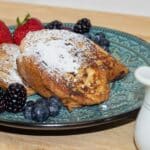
(88,86)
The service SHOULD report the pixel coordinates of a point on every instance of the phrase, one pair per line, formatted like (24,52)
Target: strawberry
(5,35)
(28,24)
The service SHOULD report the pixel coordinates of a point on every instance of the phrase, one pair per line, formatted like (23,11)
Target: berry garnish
(54,105)
(39,112)
(54,110)
(82,26)
(104,42)
(2,101)
(54,25)
(54,100)
(43,101)
(27,110)
(100,39)
(5,35)
(28,24)
(15,97)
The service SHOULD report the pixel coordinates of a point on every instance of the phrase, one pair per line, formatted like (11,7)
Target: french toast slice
(8,67)
(66,64)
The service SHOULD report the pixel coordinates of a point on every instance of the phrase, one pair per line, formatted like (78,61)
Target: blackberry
(82,26)
(54,25)
(2,101)
(15,97)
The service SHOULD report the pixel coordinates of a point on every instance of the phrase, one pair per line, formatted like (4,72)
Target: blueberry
(99,37)
(104,42)
(54,100)
(54,110)
(42,101)
(27,110)
(40,112)
(106,48)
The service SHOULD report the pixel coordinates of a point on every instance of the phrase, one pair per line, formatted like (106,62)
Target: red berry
(5,35)
(29,24)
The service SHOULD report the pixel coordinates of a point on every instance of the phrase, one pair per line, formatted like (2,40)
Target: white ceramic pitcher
(142,128)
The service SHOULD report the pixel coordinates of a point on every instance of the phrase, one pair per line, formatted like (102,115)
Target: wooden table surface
(118,138)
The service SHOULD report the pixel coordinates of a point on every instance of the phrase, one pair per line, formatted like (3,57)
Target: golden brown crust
(115,70)
(88,86)
(79,94)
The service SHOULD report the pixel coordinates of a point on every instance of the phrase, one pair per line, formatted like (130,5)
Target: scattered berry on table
(5,35)
(27,109)
(54,25)
(28,24)
(40,112)
(2,101)
(15,97)
(82,26)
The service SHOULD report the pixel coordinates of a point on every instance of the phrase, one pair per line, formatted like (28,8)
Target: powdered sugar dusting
(8,63)
(58,50)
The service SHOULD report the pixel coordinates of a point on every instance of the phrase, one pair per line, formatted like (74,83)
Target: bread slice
(66,64)
(8,67)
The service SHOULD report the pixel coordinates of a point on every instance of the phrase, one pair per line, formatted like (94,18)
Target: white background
(133,7)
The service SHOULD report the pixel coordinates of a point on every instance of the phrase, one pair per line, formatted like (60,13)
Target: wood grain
(119,138)
(139,26)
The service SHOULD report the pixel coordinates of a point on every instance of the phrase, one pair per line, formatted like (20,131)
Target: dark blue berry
(100,34)
(43,101)
(27,110)
(99,37)
(54,100)
(40,112)
(54,25)
(106,48)
(54,110)
(104,42)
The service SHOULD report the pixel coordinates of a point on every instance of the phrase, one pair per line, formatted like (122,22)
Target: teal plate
(125,98)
